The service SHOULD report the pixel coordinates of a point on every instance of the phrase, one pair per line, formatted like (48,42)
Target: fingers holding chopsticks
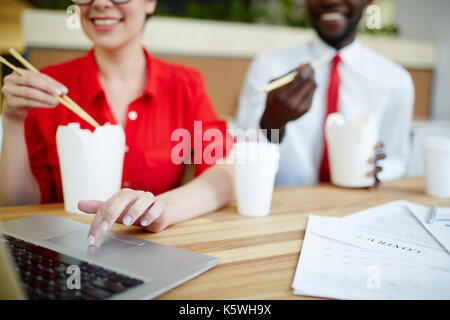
(30,90)
(290,101)
(58,91)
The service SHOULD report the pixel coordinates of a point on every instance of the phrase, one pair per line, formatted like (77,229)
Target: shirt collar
(91,80)
(347,54)
(151,87)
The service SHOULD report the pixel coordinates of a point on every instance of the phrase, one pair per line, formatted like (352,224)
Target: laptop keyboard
(44,274)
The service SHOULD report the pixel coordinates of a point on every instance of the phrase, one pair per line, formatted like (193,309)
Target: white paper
(333,269)
(389,229)
(440,230)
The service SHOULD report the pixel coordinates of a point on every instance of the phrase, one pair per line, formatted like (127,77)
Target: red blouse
(174,97)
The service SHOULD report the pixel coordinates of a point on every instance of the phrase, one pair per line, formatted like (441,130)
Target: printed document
(408,263)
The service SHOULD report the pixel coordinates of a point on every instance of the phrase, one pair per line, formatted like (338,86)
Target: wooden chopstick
(11,66)
(291,76)
(64,100)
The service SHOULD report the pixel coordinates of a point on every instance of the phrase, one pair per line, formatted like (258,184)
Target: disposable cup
(436,153)
(255,165)
(91,163)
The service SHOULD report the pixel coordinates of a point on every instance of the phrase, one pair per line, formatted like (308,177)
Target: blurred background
(275,12)
(220,38)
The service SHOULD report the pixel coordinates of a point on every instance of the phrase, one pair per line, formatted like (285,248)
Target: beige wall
(224,78)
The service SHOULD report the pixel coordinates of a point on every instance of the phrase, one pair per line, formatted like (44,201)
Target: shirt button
(132,115)
(127,148)
(126,184)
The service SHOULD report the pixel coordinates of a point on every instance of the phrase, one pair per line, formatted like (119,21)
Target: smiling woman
(119,82)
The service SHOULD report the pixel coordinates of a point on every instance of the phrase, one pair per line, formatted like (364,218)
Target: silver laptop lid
(10,283)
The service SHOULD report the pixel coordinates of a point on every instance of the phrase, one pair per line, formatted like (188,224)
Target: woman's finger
(125,199)
(99,224)
(19,102)
(41,82)
(94,231)
(90,206)
(31,93)
(153,213)
(142,204)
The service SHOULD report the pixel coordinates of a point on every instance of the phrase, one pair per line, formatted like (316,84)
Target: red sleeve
(37,154)
(210,139)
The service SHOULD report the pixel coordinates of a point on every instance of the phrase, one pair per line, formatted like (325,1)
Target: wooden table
(258,256)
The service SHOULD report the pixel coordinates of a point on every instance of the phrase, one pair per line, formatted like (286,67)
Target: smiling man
(355,81)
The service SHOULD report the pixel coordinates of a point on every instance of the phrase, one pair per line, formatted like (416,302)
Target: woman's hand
(33,90)
(379,155)
(127,206)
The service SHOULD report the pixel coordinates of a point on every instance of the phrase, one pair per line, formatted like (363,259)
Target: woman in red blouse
(118,82)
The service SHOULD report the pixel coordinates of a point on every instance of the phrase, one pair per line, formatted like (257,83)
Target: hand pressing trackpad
(77,240)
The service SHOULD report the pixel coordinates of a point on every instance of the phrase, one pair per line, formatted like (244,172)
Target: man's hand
(379,155)
(289,102)
(127,206)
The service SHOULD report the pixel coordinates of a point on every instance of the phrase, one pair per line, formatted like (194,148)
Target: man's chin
(337,38)
(334,41)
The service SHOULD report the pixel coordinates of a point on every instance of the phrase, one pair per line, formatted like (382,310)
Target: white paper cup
(436,153)
(255,167)
(350,146)
(91,163)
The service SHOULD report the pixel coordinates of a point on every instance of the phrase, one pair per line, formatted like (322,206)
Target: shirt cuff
(392,169)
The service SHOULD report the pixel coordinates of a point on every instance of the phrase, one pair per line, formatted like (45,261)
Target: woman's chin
(108,46)
(109,43)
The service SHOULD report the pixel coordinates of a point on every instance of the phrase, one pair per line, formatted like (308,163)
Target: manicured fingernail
(58,92)
(144,223)
(104,226)
(91,240)
(65,90)
(54,101)
(127,220)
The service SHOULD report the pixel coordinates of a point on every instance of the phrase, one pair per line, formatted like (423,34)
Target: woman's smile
(105,24)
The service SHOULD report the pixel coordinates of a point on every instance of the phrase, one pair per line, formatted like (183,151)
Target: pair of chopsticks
(291,76)
(64,100)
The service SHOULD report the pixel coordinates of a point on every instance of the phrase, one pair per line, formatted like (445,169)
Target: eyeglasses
(84,2)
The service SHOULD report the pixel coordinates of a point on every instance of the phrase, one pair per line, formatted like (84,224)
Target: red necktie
(332,107)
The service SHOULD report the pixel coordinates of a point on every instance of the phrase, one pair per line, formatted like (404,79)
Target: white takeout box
(91,163)
(351,143)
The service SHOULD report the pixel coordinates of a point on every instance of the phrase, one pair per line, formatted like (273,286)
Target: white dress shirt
(370,84)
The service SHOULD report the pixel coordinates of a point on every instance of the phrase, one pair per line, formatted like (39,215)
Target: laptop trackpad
(77,240)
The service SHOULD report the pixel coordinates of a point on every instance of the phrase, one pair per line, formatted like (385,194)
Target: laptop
(48,257)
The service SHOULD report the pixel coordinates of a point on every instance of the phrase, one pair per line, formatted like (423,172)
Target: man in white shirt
(356,81)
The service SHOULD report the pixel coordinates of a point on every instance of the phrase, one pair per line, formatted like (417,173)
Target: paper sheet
(389,229)
(333,269)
